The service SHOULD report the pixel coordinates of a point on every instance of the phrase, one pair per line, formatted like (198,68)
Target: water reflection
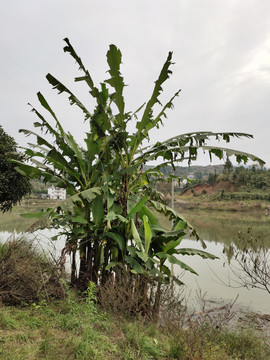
(218,229)
(224,227)
(12,221)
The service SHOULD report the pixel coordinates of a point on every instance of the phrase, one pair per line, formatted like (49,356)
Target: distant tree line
(251,178)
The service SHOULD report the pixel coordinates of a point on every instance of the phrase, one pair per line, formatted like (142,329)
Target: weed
(244,344)
(67,329)
(46,347)
(22,337)
(69,322)
(138,342)
(6,321)
(91,297)
(71,302)
(35,323)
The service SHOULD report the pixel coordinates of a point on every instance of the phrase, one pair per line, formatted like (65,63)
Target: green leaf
(79,231)
(98,210)
(171,235)
(166,270)
(111,265)
(73,199)
(186,146)
(27,170)
(151,217)
(36,215)
(118,238)
(164,209)
(171,245)
(56,157)
(203,254)
(164,75)
(137,207)
(142,256)
(135,265)
(110,201)
(79,219)
(114,57)
(44,103)
(90,194)
(122,218)
(40,140)
(136,235)
(72,98)
(179,225)
(177,281)
(87,78)
(158,229)
(111,216)
(239,155)
(132,250)
(174,260)
(77,151)
(147,234)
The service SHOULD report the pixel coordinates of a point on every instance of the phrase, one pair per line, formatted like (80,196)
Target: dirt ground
(258,322)
(211,189)
(241,317)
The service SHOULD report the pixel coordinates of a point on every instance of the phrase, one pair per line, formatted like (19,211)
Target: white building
(56,193)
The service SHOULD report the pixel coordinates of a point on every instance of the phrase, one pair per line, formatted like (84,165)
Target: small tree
(251,262)
(228,167)
(212,177)
(109,215)
(13,186)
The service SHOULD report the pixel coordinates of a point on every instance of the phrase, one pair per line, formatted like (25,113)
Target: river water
(219,229)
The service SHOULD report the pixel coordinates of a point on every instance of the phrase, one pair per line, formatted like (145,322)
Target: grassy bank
(74,329)
(212,203)
(64,324)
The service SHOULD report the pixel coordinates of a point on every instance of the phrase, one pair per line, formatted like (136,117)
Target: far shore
(202,203)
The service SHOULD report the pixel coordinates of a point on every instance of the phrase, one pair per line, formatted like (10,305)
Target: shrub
(126,294)
(27,275)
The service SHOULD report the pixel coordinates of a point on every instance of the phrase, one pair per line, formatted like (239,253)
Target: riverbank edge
(186,203)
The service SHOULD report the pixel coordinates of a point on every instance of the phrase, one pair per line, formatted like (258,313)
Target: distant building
(56,193)
(184,182)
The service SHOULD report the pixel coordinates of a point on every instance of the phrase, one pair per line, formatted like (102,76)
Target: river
(218,229)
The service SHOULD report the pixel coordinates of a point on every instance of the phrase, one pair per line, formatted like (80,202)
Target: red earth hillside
(210,188)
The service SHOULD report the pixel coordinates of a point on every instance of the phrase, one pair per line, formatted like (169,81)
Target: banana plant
(110,214)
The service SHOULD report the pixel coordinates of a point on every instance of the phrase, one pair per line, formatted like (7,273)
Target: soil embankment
(207,189)
(202,197)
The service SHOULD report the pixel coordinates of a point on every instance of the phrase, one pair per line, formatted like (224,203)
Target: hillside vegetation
(237,183)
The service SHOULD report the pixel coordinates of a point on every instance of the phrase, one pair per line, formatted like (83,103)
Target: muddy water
(218,229)
(217,278)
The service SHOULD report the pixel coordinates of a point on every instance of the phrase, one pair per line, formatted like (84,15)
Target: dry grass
(26,274)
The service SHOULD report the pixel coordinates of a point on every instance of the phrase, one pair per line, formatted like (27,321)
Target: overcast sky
(221,50)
